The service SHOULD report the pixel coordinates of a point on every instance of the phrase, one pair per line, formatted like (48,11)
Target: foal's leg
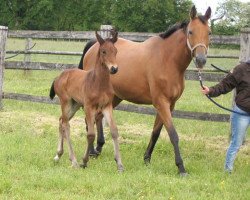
(163,109)
(90,120)
(60,142)
(68,111)
(107,112)
(99,127)
(154,137)
(100,137)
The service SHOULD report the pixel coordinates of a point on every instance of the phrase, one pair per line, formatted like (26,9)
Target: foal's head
(107,52)
(198,33)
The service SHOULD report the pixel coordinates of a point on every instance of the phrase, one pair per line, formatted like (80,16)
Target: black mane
(174,28)
(182,25)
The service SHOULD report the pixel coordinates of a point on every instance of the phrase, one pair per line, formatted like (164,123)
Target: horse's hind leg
(68,111)
(164,111)
(114,132)
(60,142)
(154,137)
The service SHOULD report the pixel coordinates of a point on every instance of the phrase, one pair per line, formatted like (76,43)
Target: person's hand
(205,90)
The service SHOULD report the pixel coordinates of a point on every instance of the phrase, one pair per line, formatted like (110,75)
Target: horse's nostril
(113,70)
(200,60)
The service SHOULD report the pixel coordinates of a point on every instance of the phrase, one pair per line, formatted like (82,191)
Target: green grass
(28,141)
(28,144)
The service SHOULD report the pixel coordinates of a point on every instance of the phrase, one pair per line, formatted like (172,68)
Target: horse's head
(108,51)
(198,33)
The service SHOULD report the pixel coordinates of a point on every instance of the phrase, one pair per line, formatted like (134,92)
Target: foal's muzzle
(113,70)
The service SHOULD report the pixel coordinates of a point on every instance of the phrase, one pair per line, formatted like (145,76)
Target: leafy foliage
(130,15)
(235,15)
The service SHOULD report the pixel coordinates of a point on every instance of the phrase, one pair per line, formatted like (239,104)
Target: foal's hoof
(56,159)
(183,174)
(75,165)
(120,169)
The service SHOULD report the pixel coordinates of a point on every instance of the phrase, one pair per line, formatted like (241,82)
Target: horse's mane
(181,25)
(174,28)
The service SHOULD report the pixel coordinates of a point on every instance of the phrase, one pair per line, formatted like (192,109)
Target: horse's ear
(193,12)
(208,13)
(99,38)
(114,34)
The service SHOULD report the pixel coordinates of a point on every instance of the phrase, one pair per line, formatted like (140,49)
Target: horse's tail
(52,93)
(86,48)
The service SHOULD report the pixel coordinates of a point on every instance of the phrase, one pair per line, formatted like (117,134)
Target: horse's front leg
(154,137)
(100,134)
(90,120)
(163,109)
(108,114)
(100,137)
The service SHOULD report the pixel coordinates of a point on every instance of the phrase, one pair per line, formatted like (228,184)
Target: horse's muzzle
(113,70)
(200,60)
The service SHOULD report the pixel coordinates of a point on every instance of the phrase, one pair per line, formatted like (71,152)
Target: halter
(195,46)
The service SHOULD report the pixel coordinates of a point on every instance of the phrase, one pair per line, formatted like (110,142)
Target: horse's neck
(101,74)
(179,50)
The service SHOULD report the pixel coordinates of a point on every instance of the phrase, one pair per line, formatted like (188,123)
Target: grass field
(28,141)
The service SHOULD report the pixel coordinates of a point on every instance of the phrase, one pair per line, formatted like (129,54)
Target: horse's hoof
(94,153)
(83,166)
(183,174)
(98,150)
(75,165)
(120,169)
(56,159)
(147,161)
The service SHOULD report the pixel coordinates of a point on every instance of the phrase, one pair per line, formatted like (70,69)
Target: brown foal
(91,90)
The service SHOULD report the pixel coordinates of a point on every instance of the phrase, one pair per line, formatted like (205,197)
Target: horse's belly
(132,94)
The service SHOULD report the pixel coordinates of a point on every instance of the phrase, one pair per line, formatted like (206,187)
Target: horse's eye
(210,33)
(103,52)
(190,32)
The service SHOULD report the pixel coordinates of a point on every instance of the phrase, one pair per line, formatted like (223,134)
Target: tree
(236,15)
(126,15)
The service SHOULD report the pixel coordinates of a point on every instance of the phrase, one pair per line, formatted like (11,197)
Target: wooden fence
(65,35)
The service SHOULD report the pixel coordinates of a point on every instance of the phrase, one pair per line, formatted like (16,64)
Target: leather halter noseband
(195,46)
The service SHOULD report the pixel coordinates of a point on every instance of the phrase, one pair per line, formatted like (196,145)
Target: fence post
(244,56)
(3,38)
(245,44)
(27,56)
(105,31)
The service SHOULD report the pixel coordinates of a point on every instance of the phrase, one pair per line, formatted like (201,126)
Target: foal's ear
(114,34)
(208,13)
(193,12)
(99,38)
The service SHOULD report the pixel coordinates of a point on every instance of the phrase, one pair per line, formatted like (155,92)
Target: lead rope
(220,106)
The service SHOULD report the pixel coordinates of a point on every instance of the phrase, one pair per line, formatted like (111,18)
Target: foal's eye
(209,33)
(103,52)
(190,32)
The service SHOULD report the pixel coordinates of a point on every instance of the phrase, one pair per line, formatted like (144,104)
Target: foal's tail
(86,48)
(52,93)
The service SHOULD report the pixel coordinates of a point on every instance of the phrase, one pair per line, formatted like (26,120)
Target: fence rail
(87,35)
(128,108)
(208,75)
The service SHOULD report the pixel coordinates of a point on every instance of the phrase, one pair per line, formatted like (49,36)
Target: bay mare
(91,90)
(152,72)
